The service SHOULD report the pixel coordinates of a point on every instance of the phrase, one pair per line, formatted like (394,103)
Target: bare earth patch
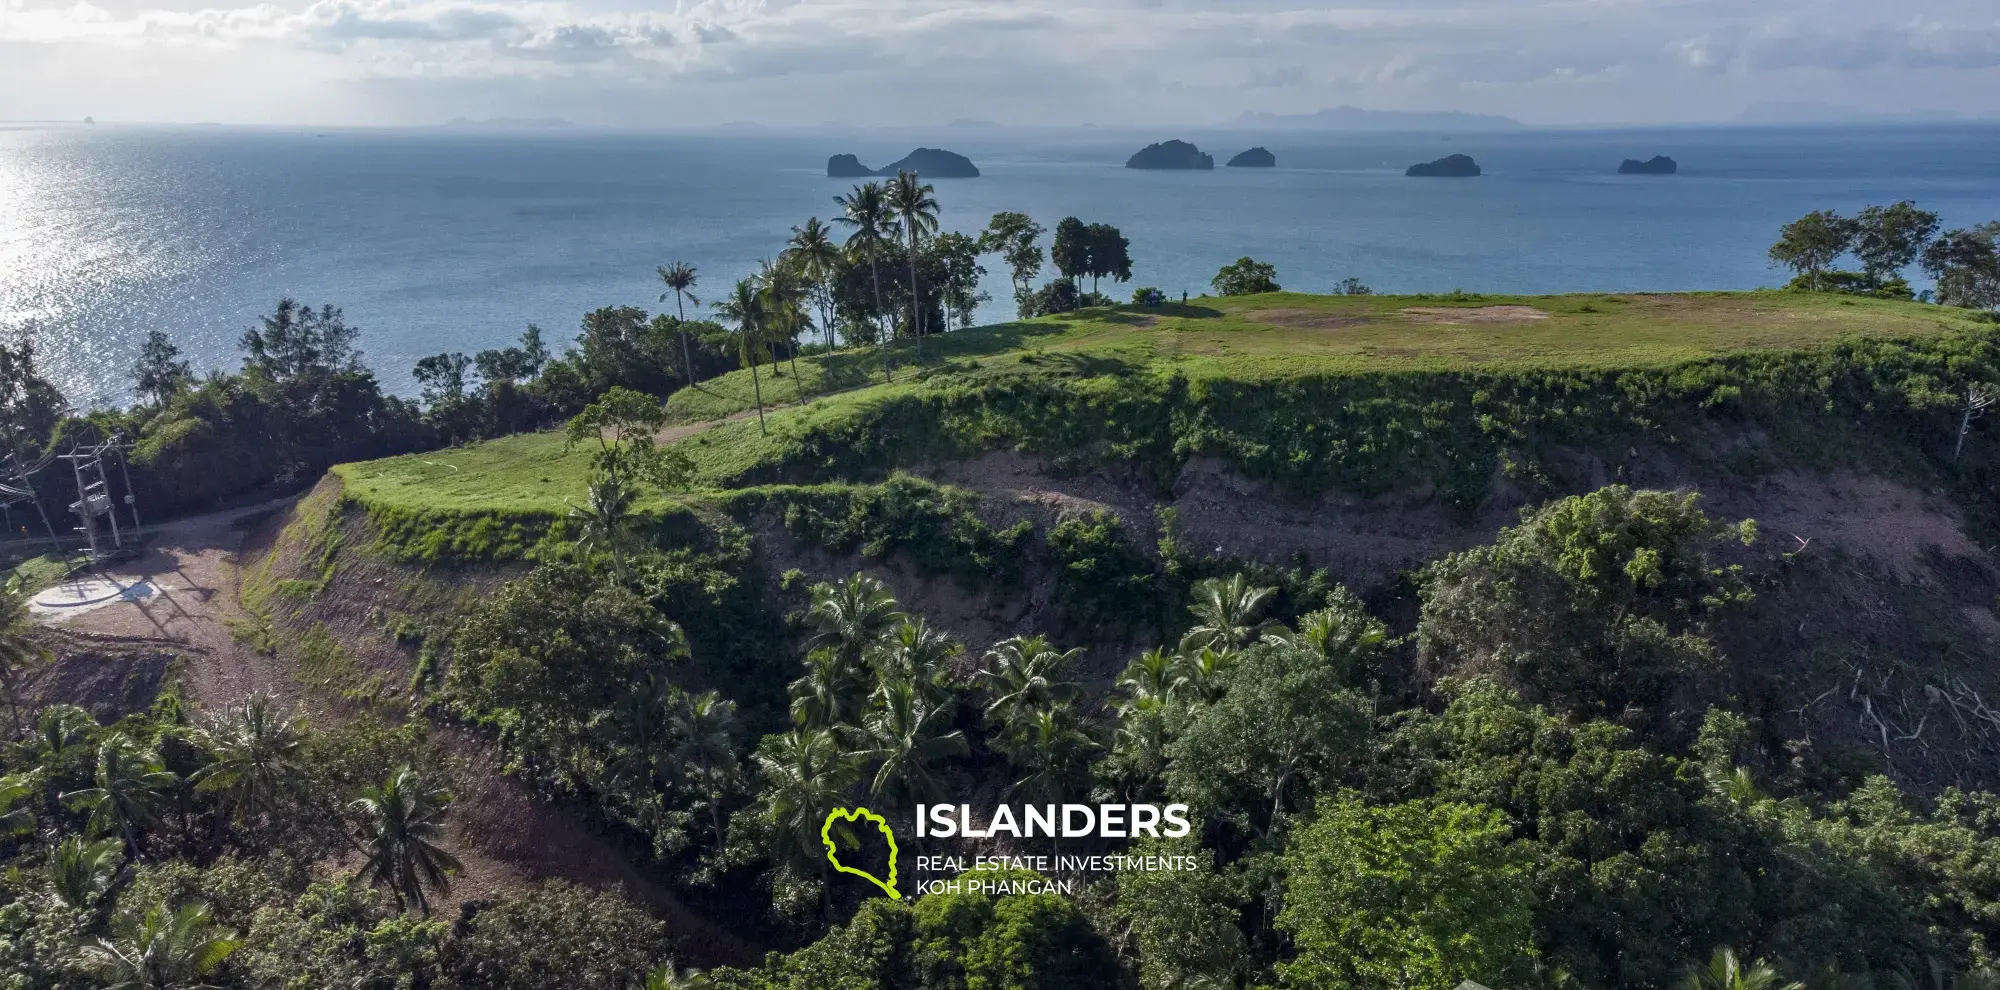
(1475,315)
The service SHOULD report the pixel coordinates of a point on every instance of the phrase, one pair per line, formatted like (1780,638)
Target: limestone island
(931,163)
(1657,165)
(1448,167)
(1171,154)
(1256,157)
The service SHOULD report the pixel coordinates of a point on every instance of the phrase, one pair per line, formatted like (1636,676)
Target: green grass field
(1254,338)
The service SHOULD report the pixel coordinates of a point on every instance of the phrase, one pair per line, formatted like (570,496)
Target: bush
(1246,277)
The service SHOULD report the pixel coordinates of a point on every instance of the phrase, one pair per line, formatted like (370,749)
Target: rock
(1170,154)
(934,163)
(1657,165)
(1254,158)
(1448,167)
(846,167)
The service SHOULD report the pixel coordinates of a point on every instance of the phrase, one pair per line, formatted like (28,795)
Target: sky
(649,63)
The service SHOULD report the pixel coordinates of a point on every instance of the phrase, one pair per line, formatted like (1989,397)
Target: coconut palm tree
(911,200)
(680,278)
(745,308)
(1197,676)
(1726,972)
(17,652)
(1149,675)
(915,652)
(57,728)
(704,728)
(666,976)
(805,775)
(907,738)
(604,521)
(1228,611)
(161,950)
(1053,754)
(13,790)
(1024,675)
(866,209)
(399,826)
(851,617)
(1140,742)
(828,692)
(785,312)
(255,750)
(813,250)
(80,871)
(131,786)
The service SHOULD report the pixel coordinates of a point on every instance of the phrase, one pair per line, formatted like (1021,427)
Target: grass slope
(1235,346)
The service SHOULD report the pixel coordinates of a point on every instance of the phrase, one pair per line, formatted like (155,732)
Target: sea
(437,239)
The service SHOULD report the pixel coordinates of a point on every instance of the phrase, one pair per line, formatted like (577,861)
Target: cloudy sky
(917,62)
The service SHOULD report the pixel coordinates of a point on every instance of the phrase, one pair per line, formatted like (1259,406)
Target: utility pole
(93,488)
(19,488)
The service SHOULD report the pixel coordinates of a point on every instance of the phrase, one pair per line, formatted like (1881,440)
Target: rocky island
(1657,165)
(1448,167)
(1171,154)
(931,163)
(1257,157)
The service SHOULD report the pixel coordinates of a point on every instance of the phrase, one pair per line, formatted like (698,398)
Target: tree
(1811,244)
(1888,239)
(811,248)
(1025,674)
(161,950)
(679,278)
(1420,895)
(959,255)
(1966,266)
(1050,749)
(160,373)
(255,753)
(30,405)
(1012,236)
(1071,250)
(299,342)
(786,297)
(621,424)
(130,787)
(912,202)
(80,871)
(1109,255)
(1227,612)
(1183,921)
(745,308)
(806,775)
(704,726)
(827,693)
(513,364)
(442,377)
(1246,277)
(867,210)
(1725,971)
(18,652)
(1284,726)
(851,617)
(556,934)
(399,829)
(915,652)
(907,737)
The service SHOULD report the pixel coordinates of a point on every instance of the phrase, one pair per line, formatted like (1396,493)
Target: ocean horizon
(436,239)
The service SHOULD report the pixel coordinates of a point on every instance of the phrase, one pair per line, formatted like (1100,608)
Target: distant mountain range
(512,124)
(1831,113)
(1356,119)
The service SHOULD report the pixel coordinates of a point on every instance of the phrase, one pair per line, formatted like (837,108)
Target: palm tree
(1053,752)
(1149,675)
(1726,972)
(1025,675)
(907,737)
(785,312)
(399,827)
(705,728)
(605,520)
(813,250)
(745,308)
(161,950)
(680,278)
(911,200)
(827,693)
(56,729)
(256,753)
(850,617)
(915,652)
(13,789)
(666,976)
(866,209)
(1140,742)
(1228,611)
(1197,676)
(80,871)
(130,788)
(806,775)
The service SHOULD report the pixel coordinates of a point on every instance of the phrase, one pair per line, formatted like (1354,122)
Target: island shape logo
(833,854)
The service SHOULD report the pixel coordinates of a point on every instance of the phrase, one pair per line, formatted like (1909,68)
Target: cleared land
(1251,338)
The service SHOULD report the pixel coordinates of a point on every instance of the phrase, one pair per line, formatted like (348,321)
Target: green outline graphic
(833,856)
